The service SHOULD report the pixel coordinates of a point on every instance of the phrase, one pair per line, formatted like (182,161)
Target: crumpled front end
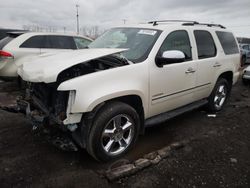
(46,106)
(47,109)
(43,104)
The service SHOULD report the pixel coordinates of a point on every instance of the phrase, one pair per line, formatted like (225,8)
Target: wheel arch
(228,75)
(135,101)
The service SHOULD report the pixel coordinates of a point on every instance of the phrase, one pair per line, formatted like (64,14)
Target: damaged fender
(93,89)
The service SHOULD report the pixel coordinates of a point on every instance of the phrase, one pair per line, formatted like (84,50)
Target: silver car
(246,75)
(245,53)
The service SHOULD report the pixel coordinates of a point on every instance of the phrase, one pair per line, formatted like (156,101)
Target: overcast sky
(234,14)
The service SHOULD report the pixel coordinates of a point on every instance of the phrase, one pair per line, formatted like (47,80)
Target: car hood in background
(45,68)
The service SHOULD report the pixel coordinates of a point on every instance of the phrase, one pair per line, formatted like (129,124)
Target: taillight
(5,54)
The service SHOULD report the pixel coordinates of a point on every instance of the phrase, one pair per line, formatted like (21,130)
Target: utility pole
(77,19)
(124,21)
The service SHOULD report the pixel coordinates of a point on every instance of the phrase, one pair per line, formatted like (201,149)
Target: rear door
(208,62)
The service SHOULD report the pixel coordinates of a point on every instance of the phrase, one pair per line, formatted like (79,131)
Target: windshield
(138,41)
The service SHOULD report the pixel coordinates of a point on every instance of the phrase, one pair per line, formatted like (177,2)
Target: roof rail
(155,22)
(207,24)
(187,23)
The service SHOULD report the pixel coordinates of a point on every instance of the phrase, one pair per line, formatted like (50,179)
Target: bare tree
(91,31)
(38,28)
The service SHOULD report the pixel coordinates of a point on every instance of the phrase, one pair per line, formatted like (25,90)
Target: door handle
(217,64)
(190,70)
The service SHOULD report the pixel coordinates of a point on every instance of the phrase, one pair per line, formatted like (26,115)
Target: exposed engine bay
(95,65)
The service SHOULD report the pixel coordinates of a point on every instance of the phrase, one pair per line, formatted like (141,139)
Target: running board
(171,114)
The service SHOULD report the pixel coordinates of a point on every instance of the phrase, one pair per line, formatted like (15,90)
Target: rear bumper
(8,69)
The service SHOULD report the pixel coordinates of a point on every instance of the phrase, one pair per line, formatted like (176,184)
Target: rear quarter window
(34,42)
(228,42)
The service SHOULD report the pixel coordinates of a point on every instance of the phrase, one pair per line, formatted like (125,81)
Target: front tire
(219,95)
(114,131)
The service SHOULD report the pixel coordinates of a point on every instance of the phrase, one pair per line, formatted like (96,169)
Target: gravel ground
(218,156)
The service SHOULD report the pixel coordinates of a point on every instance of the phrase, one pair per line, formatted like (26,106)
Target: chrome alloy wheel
(117,134)
(220,96)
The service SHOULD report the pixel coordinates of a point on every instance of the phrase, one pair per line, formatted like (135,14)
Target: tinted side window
(81,43)
(205,44)
(34,42)
(61,42)
(177,40)
(228,42)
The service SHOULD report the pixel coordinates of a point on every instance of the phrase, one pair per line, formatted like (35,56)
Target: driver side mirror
(169,57)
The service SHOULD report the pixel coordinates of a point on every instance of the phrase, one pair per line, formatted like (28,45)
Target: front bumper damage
(50,111)
(37,112)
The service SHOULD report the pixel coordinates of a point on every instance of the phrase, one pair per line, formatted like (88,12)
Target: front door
(172,85)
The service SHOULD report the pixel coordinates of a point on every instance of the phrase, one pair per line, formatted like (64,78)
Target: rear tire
(219,95)
(114,131)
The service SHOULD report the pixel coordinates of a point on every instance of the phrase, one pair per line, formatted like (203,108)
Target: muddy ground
(218,156)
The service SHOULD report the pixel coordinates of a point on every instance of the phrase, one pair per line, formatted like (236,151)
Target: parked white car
(18,45)
(246,75)
(130,78)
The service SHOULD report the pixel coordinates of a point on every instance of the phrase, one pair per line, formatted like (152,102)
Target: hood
(45,68)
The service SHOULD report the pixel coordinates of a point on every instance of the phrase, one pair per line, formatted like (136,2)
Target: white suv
(130,78)
(18,45)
